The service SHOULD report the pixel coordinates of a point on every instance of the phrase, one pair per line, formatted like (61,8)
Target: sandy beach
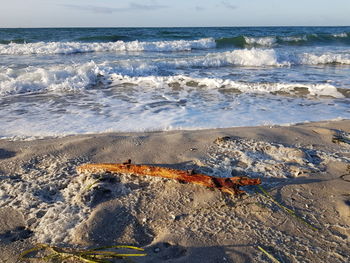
(304,167)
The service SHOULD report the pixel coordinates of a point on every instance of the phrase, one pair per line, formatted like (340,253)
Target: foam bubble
(46,195)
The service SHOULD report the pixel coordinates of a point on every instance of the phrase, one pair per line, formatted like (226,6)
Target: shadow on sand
(4,154)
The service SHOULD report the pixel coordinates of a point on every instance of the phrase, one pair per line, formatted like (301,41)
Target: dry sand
(43,199)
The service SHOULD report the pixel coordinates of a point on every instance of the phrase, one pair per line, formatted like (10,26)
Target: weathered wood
(228,185)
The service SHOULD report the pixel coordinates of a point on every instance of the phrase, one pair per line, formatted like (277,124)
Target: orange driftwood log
(228,185)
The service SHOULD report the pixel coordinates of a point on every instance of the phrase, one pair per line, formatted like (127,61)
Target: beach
(304,167)
(267,103)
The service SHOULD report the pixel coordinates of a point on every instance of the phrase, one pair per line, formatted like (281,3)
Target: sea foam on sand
(55,200)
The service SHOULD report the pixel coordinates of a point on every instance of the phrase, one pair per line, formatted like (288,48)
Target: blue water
(58,81)
(314,35)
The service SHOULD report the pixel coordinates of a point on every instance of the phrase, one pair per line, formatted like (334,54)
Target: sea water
(60,81)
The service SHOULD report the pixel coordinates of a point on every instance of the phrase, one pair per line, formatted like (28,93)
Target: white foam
(76,77)
(340,35)
(294,38)
(78,47)
(52,197)
(264,159)
(254,57)
(244,87)
(241,57)
(327,58)
(54,78)
(167,103)
(261,41)
(47,194)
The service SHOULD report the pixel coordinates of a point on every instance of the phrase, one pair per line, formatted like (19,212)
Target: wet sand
(304,167)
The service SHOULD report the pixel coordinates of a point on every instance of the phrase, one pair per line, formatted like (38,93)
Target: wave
(340,35)
(115,43)
(78,47)
(226,85)
(242,57)
(15,40)
(56,78)
(270,41)
(76,78)
(237,58)
(263,57)
(225,42)
(81,76)
(260,41)
(323,59)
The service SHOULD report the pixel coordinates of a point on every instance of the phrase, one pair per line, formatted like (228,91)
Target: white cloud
(227,4)
(109,10)
(199,8)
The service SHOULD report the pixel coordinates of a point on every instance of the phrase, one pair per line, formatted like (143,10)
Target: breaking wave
(270,41)
(15,40)
(323,59)
(115,43)
(55,78)
(241,57)
(75,78)
(237,58)
(288,89)
(79,47)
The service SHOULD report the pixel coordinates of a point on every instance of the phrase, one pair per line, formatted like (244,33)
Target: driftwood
(228,185)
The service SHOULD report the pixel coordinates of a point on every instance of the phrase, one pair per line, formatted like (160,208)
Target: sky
(175,13)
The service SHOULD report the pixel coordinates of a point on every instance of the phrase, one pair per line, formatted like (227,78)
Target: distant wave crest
(271,41)
(79,47)
(115,43)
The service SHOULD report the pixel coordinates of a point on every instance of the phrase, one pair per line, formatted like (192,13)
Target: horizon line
(58,27)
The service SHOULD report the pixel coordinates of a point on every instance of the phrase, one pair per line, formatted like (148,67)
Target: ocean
(62,81)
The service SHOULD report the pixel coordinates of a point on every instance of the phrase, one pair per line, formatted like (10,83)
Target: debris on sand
(228,185)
